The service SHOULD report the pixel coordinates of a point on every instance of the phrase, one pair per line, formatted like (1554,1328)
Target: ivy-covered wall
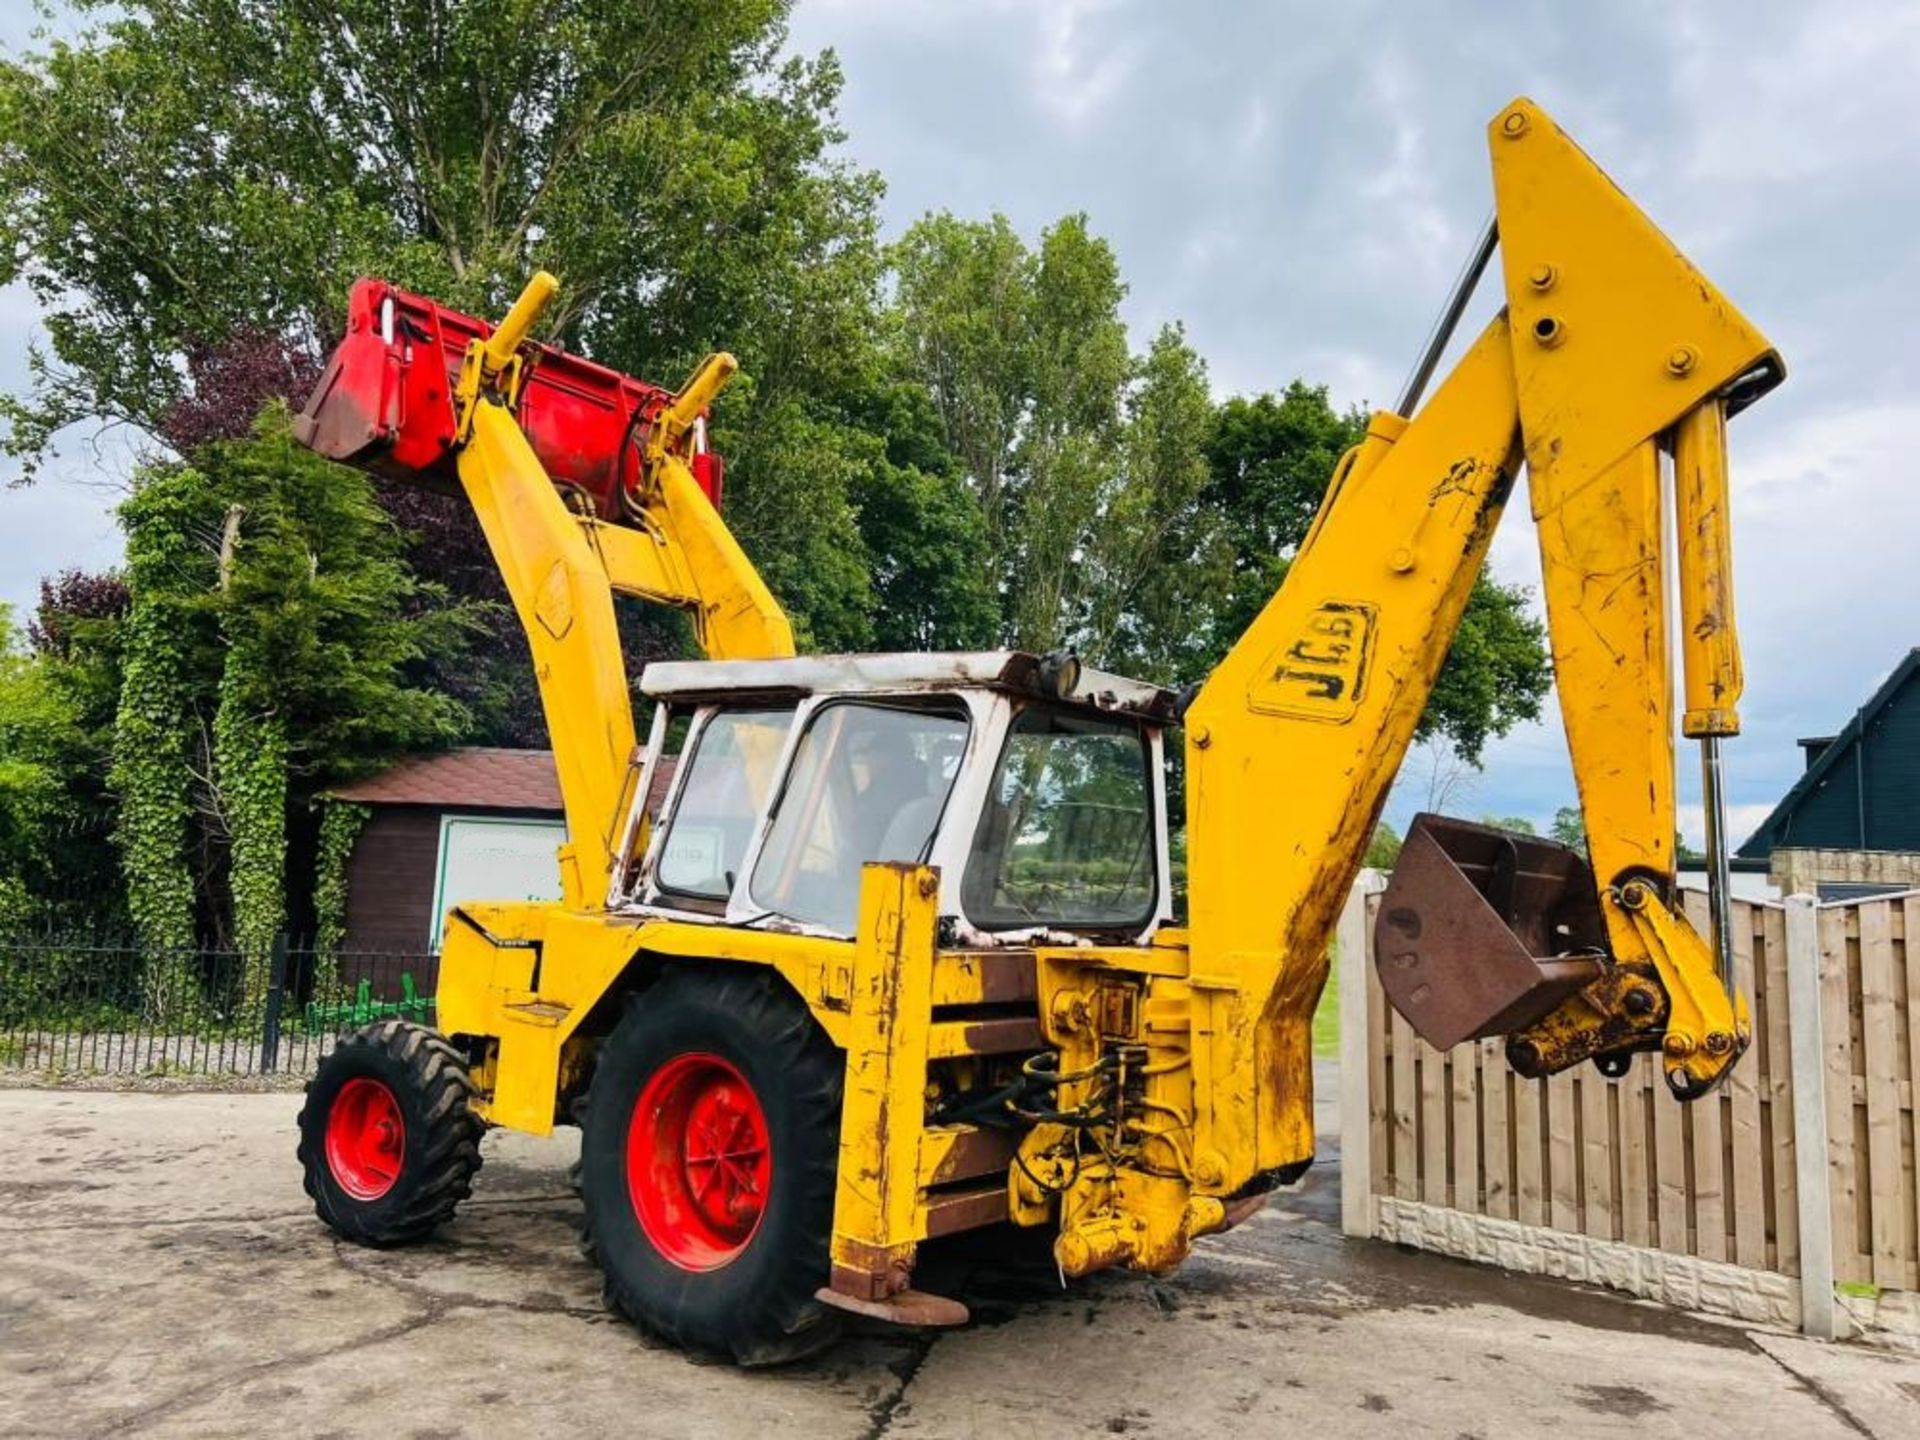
(275,646)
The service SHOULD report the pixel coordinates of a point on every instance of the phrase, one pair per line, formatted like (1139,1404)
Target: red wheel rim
(699,1166)
(366,1138)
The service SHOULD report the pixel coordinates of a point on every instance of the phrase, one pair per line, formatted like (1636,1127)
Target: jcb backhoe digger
(897,956)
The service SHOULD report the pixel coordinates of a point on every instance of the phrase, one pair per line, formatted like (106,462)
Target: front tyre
(708,1166)
(388,1141)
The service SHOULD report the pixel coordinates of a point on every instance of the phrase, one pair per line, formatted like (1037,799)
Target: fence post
(1806,1065)
(276,993)
(1357,1217)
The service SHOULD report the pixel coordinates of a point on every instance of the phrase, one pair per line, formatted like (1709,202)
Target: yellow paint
(1294,741)
(877,1203)
(1708,646)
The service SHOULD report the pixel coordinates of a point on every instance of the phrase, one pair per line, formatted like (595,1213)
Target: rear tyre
(388,1141)
(708,1161)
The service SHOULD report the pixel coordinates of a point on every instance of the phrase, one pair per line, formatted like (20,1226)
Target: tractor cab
(1035,786)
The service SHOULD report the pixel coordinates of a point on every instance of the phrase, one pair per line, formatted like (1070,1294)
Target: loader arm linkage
(587,484)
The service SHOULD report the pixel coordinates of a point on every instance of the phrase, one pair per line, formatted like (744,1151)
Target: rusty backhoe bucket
(1481,931)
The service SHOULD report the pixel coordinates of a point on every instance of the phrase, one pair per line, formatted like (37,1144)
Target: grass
(1326,1018)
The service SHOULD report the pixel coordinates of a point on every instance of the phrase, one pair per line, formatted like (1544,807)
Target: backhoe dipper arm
(1611,346)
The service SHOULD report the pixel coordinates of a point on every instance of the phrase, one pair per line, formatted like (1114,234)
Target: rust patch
(1482,932)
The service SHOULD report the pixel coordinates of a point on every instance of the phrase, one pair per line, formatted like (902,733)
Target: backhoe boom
(1609,340)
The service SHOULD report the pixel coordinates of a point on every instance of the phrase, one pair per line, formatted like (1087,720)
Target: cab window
(725,790)
(868,782)
(1066,835)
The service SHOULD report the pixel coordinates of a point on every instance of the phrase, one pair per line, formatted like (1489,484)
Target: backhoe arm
(1610,349)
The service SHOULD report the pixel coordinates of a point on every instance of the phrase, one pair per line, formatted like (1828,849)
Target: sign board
(484,858)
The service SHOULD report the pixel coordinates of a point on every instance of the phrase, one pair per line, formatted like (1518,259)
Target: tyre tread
(782,1320)
(434,1071)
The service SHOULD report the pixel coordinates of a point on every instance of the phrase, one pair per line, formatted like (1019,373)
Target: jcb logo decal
(1321,672)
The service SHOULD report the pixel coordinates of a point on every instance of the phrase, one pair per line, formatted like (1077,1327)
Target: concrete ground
(162,1274)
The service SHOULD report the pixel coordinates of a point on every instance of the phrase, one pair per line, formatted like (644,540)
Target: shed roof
(471,777)
(480,777)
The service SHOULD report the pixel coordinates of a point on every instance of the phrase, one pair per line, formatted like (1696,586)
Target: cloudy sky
(1297,183)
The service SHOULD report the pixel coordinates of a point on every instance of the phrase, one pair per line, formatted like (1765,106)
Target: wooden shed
(428,814)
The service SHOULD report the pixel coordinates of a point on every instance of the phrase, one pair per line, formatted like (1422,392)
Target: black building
(1851,823)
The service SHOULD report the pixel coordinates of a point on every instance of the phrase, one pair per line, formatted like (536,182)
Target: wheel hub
(699,1166)
(366,1138)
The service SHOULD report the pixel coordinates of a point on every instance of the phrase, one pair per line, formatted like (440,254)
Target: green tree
(273,648)
(1156,560)
(663,158)
(1270,459)
(1569,828)
(156,729)
(57,702)
(923,535)
(1519,824)
(1383,850)
(42,744)
(1082,459)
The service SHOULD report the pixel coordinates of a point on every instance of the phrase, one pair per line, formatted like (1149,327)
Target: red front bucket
(385,404)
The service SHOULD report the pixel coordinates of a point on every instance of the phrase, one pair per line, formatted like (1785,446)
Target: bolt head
(1681,360)
(1541,277)
(1514,124)
(1639,1002)
(1679,1046)
(1719,1042)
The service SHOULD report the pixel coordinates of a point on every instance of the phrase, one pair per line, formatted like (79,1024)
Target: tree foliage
(340,824)
(1383,850)
(41,739)
(273,648)
(1518,824)
(1569,828)
(329,624)
(57,704)
(191,230)
(1082,459)
(155,726)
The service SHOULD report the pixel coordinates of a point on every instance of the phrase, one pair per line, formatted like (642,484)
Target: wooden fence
(1793,1187)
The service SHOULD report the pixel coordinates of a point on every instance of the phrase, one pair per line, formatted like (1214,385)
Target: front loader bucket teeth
(1482,932)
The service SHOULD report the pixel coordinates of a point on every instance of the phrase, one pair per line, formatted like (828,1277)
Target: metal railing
(86,1006)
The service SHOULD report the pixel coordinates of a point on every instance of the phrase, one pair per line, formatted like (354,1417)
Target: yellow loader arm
(563,569)
(1611,351)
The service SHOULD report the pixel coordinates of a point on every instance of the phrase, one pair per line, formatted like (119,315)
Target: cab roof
(1013,671)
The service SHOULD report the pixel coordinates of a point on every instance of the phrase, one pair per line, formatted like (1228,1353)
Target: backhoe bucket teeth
(1482,932)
